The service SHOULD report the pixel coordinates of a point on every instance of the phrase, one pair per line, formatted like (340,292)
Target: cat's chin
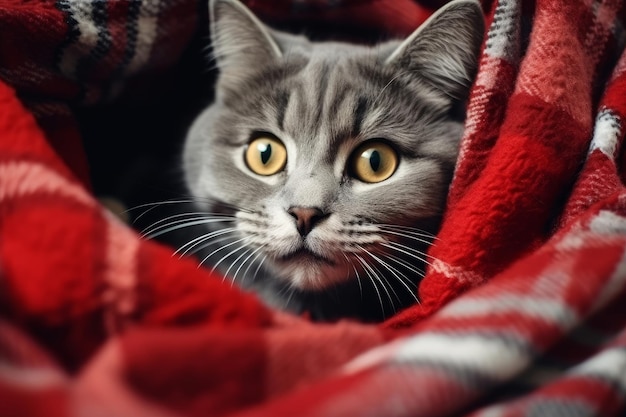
(308,272)
(306,255)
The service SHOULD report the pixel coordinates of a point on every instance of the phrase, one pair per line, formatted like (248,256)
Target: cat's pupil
(266,152)
(375,160)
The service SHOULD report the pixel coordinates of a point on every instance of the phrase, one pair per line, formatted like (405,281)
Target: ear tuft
(444,50)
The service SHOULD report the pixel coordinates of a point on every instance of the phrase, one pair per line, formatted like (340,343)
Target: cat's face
(329,155)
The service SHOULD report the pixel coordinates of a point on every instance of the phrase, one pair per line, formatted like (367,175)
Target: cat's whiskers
(154,231)
(212,243)
(370,277)
(407,236)
(255,251)
(410,234)
(254,260)
(186,214)
(229,254)
(211,239)
(383,277)
(200,239)
(258,268)
(356,273)
(406,265)
(292,291)
(233,263)
(409,251)
(409,230)
(155,205)
(221,248)
(395,272)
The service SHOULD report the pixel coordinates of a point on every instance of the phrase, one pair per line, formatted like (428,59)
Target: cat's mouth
(304,254)
(309,270)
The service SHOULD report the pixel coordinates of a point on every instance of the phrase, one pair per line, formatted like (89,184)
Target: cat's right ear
(240,41)
(444,50)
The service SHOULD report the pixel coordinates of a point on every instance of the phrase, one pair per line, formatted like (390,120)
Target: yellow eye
(266,155)
(374,162)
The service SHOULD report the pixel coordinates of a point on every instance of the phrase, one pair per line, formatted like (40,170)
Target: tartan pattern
(523,312)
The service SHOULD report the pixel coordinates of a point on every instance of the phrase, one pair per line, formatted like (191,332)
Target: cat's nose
(306,218)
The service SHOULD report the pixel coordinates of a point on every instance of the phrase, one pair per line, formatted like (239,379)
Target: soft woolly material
(522,312)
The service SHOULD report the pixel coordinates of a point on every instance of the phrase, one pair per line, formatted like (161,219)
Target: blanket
(522,310)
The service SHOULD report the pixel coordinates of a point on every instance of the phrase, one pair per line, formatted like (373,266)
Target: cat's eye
(266,155)
(374,161)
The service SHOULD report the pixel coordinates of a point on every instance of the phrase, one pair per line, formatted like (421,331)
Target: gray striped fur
(322,100)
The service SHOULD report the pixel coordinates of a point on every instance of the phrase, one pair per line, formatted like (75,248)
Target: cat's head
(331,154)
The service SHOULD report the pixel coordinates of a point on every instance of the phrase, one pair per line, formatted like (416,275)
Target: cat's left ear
(241,43)
(444,50)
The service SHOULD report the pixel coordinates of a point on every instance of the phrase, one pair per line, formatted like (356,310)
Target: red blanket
(523,312)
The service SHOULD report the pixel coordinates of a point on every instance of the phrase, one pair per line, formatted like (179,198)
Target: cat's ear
(241,43)
(444,50)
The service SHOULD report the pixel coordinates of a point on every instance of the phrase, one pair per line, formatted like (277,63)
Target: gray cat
(321,169)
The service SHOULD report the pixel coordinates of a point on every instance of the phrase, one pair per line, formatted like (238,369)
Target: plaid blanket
(523,311)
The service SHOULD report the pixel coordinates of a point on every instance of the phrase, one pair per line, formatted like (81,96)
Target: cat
(321,169)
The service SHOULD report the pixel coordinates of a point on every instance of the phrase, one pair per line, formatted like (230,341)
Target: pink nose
(306,218)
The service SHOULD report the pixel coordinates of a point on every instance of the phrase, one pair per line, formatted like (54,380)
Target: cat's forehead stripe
(340,94)
(359,115)
(282,101)
(319,92)
(323,74)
